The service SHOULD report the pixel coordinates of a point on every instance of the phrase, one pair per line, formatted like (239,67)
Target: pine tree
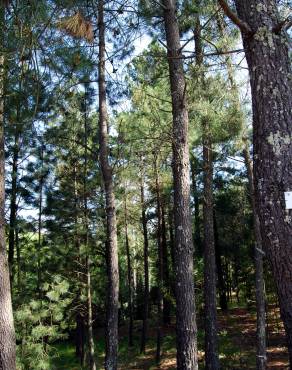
(185,295)
(265,44)
(7,337)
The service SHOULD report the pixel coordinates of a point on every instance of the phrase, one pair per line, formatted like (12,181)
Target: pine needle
(77,26)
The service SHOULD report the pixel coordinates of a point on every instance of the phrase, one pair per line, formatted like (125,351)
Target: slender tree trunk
(130,278)
(80,325)
(269,66)
(171,238)
(146,268)
(92,365)
(80,337)
(7,336)
(40,222)
(219,268)
(186,329)
(111,358)
(18,258)
(259,268)
(13,206)
(160,281)
(165,269)
(210,278)
(197,234)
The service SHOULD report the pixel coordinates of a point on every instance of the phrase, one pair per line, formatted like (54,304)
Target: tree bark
(271,87)
(146,268)
(186,329)
(7,335)
(111,357)
(210,278)
(261,359)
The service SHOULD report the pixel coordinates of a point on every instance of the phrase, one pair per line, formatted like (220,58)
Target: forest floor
(237,345)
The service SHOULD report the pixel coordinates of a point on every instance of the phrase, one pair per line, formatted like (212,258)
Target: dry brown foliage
(77,26)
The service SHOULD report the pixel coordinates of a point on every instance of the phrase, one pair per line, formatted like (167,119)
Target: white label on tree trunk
(288,199)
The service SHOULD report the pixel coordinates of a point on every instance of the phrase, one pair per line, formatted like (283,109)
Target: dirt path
(237,344)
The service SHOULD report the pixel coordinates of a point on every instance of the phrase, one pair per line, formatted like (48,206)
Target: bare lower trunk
(210,278)
(269,67)
(259,268)
(146,269)
(7,336)
(111,358)
(186,329)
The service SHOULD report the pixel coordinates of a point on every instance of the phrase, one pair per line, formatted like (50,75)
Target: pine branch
(77,26)
(243,26)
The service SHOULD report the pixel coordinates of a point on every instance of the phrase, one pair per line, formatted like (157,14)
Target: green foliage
(40,323)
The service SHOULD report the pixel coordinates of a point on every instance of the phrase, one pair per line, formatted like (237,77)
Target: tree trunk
(7,336)
(219,268)
(211,338)
(13,205)
(160,280)
(92,365)
(130,278)
(269,66)
(165,269)
(17,244)
(40,221)
(111,357)
(197,234)
(146,268)
(186,329)
(171,240)
(259,268)
(80,338)
(210,278)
